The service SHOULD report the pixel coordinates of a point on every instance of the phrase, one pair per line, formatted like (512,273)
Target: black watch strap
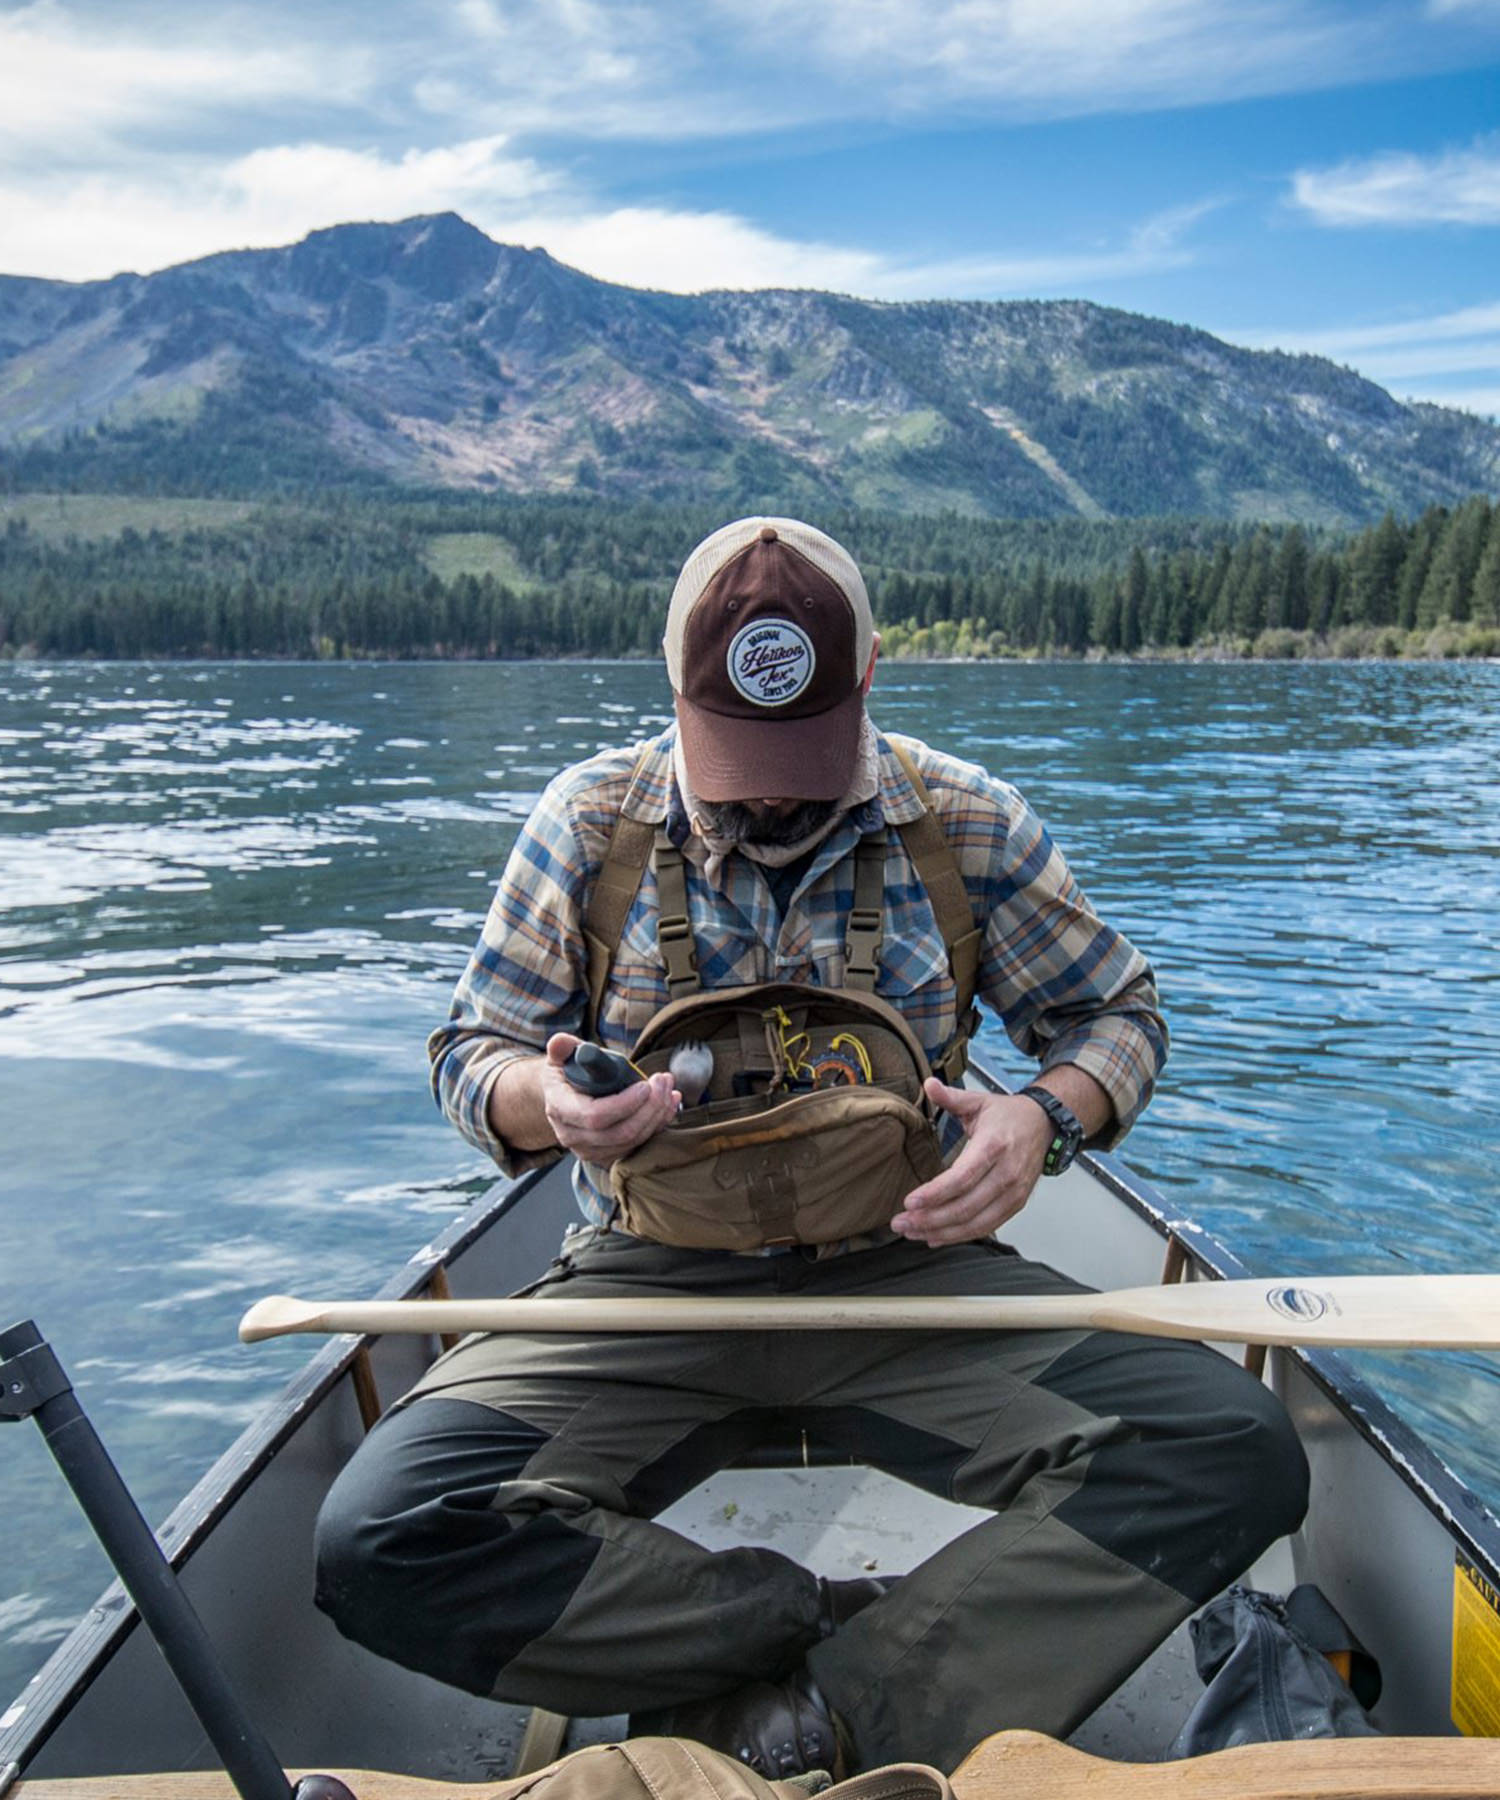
(1067,1133)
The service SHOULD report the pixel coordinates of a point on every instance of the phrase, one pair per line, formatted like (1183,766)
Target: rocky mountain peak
(424,352)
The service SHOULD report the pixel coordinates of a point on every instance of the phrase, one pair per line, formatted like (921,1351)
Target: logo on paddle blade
(1299,1303)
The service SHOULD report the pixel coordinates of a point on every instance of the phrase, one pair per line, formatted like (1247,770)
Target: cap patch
(770,661)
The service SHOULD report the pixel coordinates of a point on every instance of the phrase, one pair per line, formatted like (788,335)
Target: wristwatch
(1067,1133)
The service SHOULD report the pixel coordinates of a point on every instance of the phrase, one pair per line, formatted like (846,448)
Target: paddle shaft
(1372,1311)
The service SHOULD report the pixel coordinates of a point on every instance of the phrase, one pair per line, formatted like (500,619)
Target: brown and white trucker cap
(768,638)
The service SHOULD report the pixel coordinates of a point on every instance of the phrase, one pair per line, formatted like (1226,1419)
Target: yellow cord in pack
(848,1037)
(845,1063)
(788,1047)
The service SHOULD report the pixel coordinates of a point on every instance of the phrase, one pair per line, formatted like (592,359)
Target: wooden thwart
(1013,1765)
(1024,1765)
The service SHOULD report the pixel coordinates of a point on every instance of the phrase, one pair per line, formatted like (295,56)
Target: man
(497,1529)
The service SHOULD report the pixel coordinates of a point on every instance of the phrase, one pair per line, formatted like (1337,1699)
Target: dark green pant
(496,1530)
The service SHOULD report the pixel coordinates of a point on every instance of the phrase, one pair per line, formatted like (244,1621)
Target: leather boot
(778,1728)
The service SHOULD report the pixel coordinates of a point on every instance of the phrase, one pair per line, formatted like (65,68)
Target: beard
(734,821)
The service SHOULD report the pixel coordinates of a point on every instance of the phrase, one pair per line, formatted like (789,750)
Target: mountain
(426,355)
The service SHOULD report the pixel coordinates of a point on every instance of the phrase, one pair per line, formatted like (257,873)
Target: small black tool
(595,1071)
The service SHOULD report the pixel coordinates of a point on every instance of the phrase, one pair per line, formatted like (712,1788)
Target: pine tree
(1484,605)
(1425,534)
(1105,627)
(1375,564)
(1450,578)
(1287,600)
(1133,602)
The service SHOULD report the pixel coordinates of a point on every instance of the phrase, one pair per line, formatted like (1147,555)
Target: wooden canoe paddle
(1443,1312)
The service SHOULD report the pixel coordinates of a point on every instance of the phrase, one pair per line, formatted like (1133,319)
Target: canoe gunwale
(112,1618)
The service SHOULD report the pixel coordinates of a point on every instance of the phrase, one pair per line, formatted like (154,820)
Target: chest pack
(655,1768)
(814,1126)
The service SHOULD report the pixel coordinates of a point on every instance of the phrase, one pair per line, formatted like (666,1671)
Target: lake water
(234,899)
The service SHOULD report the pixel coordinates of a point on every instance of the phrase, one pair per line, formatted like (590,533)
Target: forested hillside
(84,576)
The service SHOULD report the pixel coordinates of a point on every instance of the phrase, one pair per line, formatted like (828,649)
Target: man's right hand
(602,1131)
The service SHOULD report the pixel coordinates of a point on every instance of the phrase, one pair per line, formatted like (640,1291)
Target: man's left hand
(991,1179)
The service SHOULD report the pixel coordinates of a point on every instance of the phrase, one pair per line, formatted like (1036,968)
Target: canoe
(1409,1557)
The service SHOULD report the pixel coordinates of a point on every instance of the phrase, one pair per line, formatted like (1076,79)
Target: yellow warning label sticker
(1476,1652)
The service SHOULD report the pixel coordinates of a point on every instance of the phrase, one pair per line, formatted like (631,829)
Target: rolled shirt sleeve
(527,976)
(1067,987)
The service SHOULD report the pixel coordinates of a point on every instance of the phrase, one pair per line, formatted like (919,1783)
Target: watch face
(1060,1155)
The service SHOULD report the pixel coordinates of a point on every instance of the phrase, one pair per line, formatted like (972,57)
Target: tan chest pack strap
(609,903)
(937,869)
(866,928)
(674,924)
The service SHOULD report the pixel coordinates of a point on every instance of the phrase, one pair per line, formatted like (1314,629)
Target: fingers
(604,1130)
(967,1201)
(990,1180)
(963,1103)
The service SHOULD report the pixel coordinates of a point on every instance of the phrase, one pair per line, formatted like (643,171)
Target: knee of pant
(1262,1475)
(373,1544)
(349,1559)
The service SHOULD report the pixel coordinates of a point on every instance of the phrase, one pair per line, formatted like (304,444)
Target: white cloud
(63,87)
(92,226)
(673,69)
(691,252)
(1482,400)
(74,71)
(1473,322)
(278,183)
(1403,367)
(1156,243)
(1399,187)
(1063,57)
(1452,358)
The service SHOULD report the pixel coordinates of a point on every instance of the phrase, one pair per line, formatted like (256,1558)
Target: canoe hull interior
(1380,1540)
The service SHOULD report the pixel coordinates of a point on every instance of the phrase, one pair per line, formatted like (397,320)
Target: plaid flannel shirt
(1067,988)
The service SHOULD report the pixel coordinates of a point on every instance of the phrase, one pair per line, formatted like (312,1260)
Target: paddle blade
(1396,1312)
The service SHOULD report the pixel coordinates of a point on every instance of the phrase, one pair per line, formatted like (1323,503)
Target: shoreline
(1319,651)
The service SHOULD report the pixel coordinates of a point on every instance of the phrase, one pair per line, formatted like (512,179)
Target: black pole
(33,1385)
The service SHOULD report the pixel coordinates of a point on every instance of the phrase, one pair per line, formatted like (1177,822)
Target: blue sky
(1318,175)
